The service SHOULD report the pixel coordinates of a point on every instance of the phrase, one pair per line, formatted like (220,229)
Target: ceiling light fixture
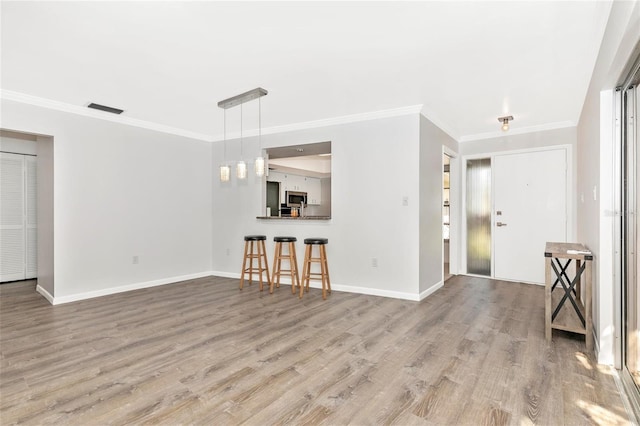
(505,122)
(241,166)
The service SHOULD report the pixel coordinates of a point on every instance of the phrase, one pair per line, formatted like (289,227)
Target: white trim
(372,291)
(225,274)
(45,294)
(121,289)
(101,115)
(345,119)
(521,131)
(428,292)
(455,219)
(353,289)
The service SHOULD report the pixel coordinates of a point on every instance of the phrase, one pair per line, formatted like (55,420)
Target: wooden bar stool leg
(305,270)
(323,272)
(251,256)
(326,266)
(244,264)
(294,260)
(276,255)
(266,264)
(260,264)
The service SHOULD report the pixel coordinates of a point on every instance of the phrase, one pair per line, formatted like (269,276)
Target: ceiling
(169,63)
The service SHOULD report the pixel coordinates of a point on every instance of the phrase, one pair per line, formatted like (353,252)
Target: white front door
(530,208)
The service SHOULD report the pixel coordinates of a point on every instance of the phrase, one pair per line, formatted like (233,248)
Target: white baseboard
(430,290)
(120,289)
(285,281)
(353,289)
(372,291)
(225,274)
(45,294)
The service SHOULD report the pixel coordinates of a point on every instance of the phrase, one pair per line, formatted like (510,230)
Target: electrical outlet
(405,201)
(374,262)
(136,260)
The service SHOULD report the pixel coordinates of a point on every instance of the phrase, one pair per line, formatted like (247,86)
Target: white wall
(595,168)
(374,165)
(121,191)
(432,141)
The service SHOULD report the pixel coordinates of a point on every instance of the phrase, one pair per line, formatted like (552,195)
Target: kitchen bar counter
(294,218)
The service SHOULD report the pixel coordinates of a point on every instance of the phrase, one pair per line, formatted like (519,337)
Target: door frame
(454,213)
(572,200)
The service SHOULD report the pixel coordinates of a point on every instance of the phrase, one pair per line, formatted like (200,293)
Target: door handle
(501,224)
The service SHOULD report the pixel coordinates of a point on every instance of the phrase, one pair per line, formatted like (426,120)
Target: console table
(564,307)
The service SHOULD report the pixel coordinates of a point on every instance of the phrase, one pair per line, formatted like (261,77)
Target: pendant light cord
(260,125)
(241,156)
(224,132)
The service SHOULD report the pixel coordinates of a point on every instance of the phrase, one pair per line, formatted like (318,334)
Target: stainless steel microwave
(295,198)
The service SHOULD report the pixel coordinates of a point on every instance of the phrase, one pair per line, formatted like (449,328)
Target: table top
(568,251)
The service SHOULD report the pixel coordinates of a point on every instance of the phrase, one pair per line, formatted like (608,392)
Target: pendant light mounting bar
(242,98)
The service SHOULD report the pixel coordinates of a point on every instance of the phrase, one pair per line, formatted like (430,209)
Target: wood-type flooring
(203,352)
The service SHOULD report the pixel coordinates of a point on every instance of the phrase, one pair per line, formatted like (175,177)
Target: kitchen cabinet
(314,191)
(291,182)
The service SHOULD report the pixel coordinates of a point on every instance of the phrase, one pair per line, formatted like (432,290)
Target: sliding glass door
(627,228)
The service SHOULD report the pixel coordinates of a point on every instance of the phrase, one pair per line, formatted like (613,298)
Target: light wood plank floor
(203,352)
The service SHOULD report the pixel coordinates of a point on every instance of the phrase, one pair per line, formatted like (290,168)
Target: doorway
(530,208)
(18,207)
(446,215)
(515,203)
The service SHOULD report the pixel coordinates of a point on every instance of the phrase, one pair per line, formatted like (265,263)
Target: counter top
(294,218)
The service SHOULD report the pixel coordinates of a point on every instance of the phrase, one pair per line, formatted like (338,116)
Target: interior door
(530,208)
(12,213)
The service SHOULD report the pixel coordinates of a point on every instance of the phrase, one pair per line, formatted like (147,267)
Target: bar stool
(322,260)
(260,253)
(277,263)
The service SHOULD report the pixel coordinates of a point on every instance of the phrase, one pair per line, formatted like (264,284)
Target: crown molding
(520,131)
(345,119)
(432,117)
(101,115)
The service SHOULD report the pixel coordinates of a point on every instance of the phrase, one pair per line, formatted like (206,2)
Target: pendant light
(241,166)
(259,164)
(225,170)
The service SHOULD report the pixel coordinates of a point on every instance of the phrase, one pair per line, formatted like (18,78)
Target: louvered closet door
(31,218)
(18,224)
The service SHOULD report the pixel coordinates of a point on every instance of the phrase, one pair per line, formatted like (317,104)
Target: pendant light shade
(241,170)
(225,173)
(259,166)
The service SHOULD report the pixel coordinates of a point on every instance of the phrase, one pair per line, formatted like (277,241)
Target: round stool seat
(316,240)
(255,237)
(285,239)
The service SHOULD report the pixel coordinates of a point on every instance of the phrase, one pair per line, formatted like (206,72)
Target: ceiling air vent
(105,108)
